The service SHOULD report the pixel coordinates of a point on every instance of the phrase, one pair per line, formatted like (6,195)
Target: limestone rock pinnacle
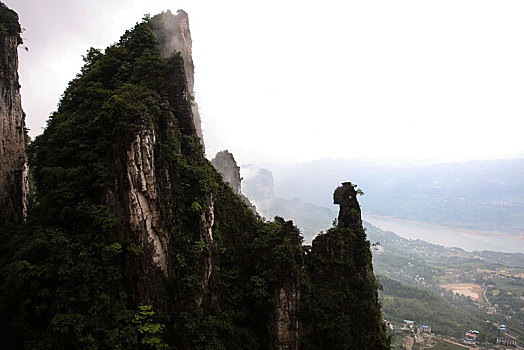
(349,214)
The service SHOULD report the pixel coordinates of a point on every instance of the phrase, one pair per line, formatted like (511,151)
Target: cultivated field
(474,291)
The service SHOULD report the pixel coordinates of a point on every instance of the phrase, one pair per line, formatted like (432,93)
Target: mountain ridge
(135,241)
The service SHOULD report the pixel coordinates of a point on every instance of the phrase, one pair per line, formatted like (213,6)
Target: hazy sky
(300,80)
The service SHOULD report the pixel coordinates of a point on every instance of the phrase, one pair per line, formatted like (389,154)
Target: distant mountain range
(258,185)
(477,195)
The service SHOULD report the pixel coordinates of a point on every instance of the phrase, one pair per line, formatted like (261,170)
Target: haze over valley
(471,205)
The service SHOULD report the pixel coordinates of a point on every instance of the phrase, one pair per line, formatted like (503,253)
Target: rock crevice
(143,202)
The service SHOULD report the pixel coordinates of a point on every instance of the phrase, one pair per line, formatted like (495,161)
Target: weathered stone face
(226,165)
(14,189)
(349,214)
(142,197)
(175,36)
(285,323)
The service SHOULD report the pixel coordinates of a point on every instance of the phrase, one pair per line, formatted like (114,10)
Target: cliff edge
(174,35)
(14,189)
(225,163)
(342,289)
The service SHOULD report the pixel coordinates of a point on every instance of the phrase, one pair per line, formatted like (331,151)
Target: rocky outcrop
(285,323)
(284,320)
(174,36)
(349,214)
(14,187)
(134,226)
(143,197)
(226,165)
(344,301)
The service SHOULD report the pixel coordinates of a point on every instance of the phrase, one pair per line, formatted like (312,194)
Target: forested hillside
(134,240)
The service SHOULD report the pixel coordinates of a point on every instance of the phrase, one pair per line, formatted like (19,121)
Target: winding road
(484,294)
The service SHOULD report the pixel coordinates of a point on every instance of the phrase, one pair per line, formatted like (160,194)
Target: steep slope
(13,166)
(345,311)
(135,241)
(225,164)
(174,36)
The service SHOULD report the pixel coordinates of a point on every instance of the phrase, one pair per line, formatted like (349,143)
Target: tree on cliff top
(9,24)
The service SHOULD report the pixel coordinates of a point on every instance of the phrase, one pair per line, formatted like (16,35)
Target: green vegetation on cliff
(134,241)
(339,261)
(9,25)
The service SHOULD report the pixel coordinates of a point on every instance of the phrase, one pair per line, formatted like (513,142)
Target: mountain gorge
(134,240)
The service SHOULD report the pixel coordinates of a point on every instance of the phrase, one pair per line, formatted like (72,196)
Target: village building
(470,337)
(506,341)
(408,326)
(425,329)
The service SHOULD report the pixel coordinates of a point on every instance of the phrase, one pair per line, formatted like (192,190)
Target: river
(449,237)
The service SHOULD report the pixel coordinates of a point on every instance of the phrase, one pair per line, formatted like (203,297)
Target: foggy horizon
(371,195)
(400,83)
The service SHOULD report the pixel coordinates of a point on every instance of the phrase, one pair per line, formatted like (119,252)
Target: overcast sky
(298,80)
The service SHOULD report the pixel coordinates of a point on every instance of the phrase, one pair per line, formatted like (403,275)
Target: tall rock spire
(13,164)
(345,312)
(349,215)
(174,36)
(226,165)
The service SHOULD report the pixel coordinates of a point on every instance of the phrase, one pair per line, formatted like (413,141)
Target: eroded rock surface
(226,165)
(286,322)
(143,197)
(14,187)
(175,36)
(349,214)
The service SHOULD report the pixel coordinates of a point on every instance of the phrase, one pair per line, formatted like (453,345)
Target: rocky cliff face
(349,215)
(135,199)
(142,196)
(286,320)
(13,166)
(175,36)
(226,165)
(343,290)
